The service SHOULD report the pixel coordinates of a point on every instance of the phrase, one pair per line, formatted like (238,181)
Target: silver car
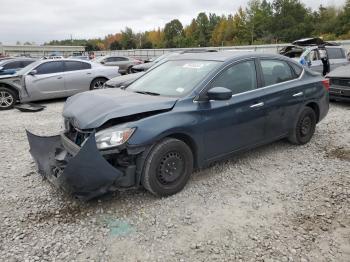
(47,79)
(307,52)
(125,63)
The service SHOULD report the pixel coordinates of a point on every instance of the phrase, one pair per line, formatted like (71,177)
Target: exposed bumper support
(85,175)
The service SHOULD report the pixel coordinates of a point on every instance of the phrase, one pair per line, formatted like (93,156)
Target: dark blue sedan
(187,112)
(11,66)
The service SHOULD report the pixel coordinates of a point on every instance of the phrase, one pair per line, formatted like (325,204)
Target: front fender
(170,124)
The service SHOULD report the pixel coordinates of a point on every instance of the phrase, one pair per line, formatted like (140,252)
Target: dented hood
(92,109)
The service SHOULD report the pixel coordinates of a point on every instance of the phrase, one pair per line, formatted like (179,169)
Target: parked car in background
(125,63)
(47,79)
(184,114)
(6,58)
(339,80)
(145,66)
(123,81)
(11,66)
(83,57)
(307,52)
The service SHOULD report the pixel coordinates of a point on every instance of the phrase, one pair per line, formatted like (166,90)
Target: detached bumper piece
(86,175)
(29,107)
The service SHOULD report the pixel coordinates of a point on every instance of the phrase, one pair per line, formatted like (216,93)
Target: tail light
(326,84)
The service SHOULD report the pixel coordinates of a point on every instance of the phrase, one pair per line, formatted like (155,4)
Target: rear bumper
(339,93)
(340,98)
(83,172)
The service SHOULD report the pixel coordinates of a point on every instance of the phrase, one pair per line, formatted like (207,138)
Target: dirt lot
(276,203)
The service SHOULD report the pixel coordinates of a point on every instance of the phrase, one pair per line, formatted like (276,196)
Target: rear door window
(297,69)
(239,78)
(335,53)
(50,68)
(276,71)
(75,66)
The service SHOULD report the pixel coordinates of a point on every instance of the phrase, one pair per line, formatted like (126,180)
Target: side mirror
(33,72)
(103,62)
(309,63)
(219,93)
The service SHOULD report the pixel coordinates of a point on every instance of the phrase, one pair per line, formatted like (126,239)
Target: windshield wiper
(147,93)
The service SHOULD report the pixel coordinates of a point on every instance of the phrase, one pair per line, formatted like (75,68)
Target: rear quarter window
(296,68)
(75,65)
(335,53)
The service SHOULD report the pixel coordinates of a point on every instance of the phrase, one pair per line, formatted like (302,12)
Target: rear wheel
(97,83)
(168,167)
(304,128)
(8,98)
(128,71)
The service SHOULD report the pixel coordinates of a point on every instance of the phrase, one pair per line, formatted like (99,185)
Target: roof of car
(222,56)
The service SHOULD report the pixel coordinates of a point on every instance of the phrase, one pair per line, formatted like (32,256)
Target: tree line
(260,22)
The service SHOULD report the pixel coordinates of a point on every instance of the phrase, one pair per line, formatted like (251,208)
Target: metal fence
(39,50)
(149,53)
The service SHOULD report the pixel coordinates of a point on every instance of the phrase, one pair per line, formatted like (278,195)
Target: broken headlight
(112,137)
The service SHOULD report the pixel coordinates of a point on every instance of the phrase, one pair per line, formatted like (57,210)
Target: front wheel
(8,98)
(97,83)
(304,128)
(167,167)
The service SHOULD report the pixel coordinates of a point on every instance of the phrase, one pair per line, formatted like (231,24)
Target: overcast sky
(43,20)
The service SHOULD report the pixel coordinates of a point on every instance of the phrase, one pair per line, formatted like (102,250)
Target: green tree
(115,45)
(344,20)
(241,32)
(128,40)
(190,34)
(202,33)
(259,20)
(325,21)
(291,21)
(173,32)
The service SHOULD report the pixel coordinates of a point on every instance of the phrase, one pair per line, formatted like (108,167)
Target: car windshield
(173,78)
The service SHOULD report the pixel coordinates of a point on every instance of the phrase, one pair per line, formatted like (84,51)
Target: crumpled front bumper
(85,174)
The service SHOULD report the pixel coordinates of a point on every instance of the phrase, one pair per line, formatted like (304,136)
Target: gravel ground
(276,203)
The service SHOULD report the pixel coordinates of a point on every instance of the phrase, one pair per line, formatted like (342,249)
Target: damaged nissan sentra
(183,114)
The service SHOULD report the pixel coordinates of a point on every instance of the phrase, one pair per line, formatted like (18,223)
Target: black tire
(304,128)
(129,71)
(97,83)
(8,98)
(167,167)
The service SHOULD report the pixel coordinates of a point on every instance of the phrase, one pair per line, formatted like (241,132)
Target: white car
(47,79)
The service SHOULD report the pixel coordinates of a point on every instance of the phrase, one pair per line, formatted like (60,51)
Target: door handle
(60,77)
(88,73)
(257,105)
(298,94)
